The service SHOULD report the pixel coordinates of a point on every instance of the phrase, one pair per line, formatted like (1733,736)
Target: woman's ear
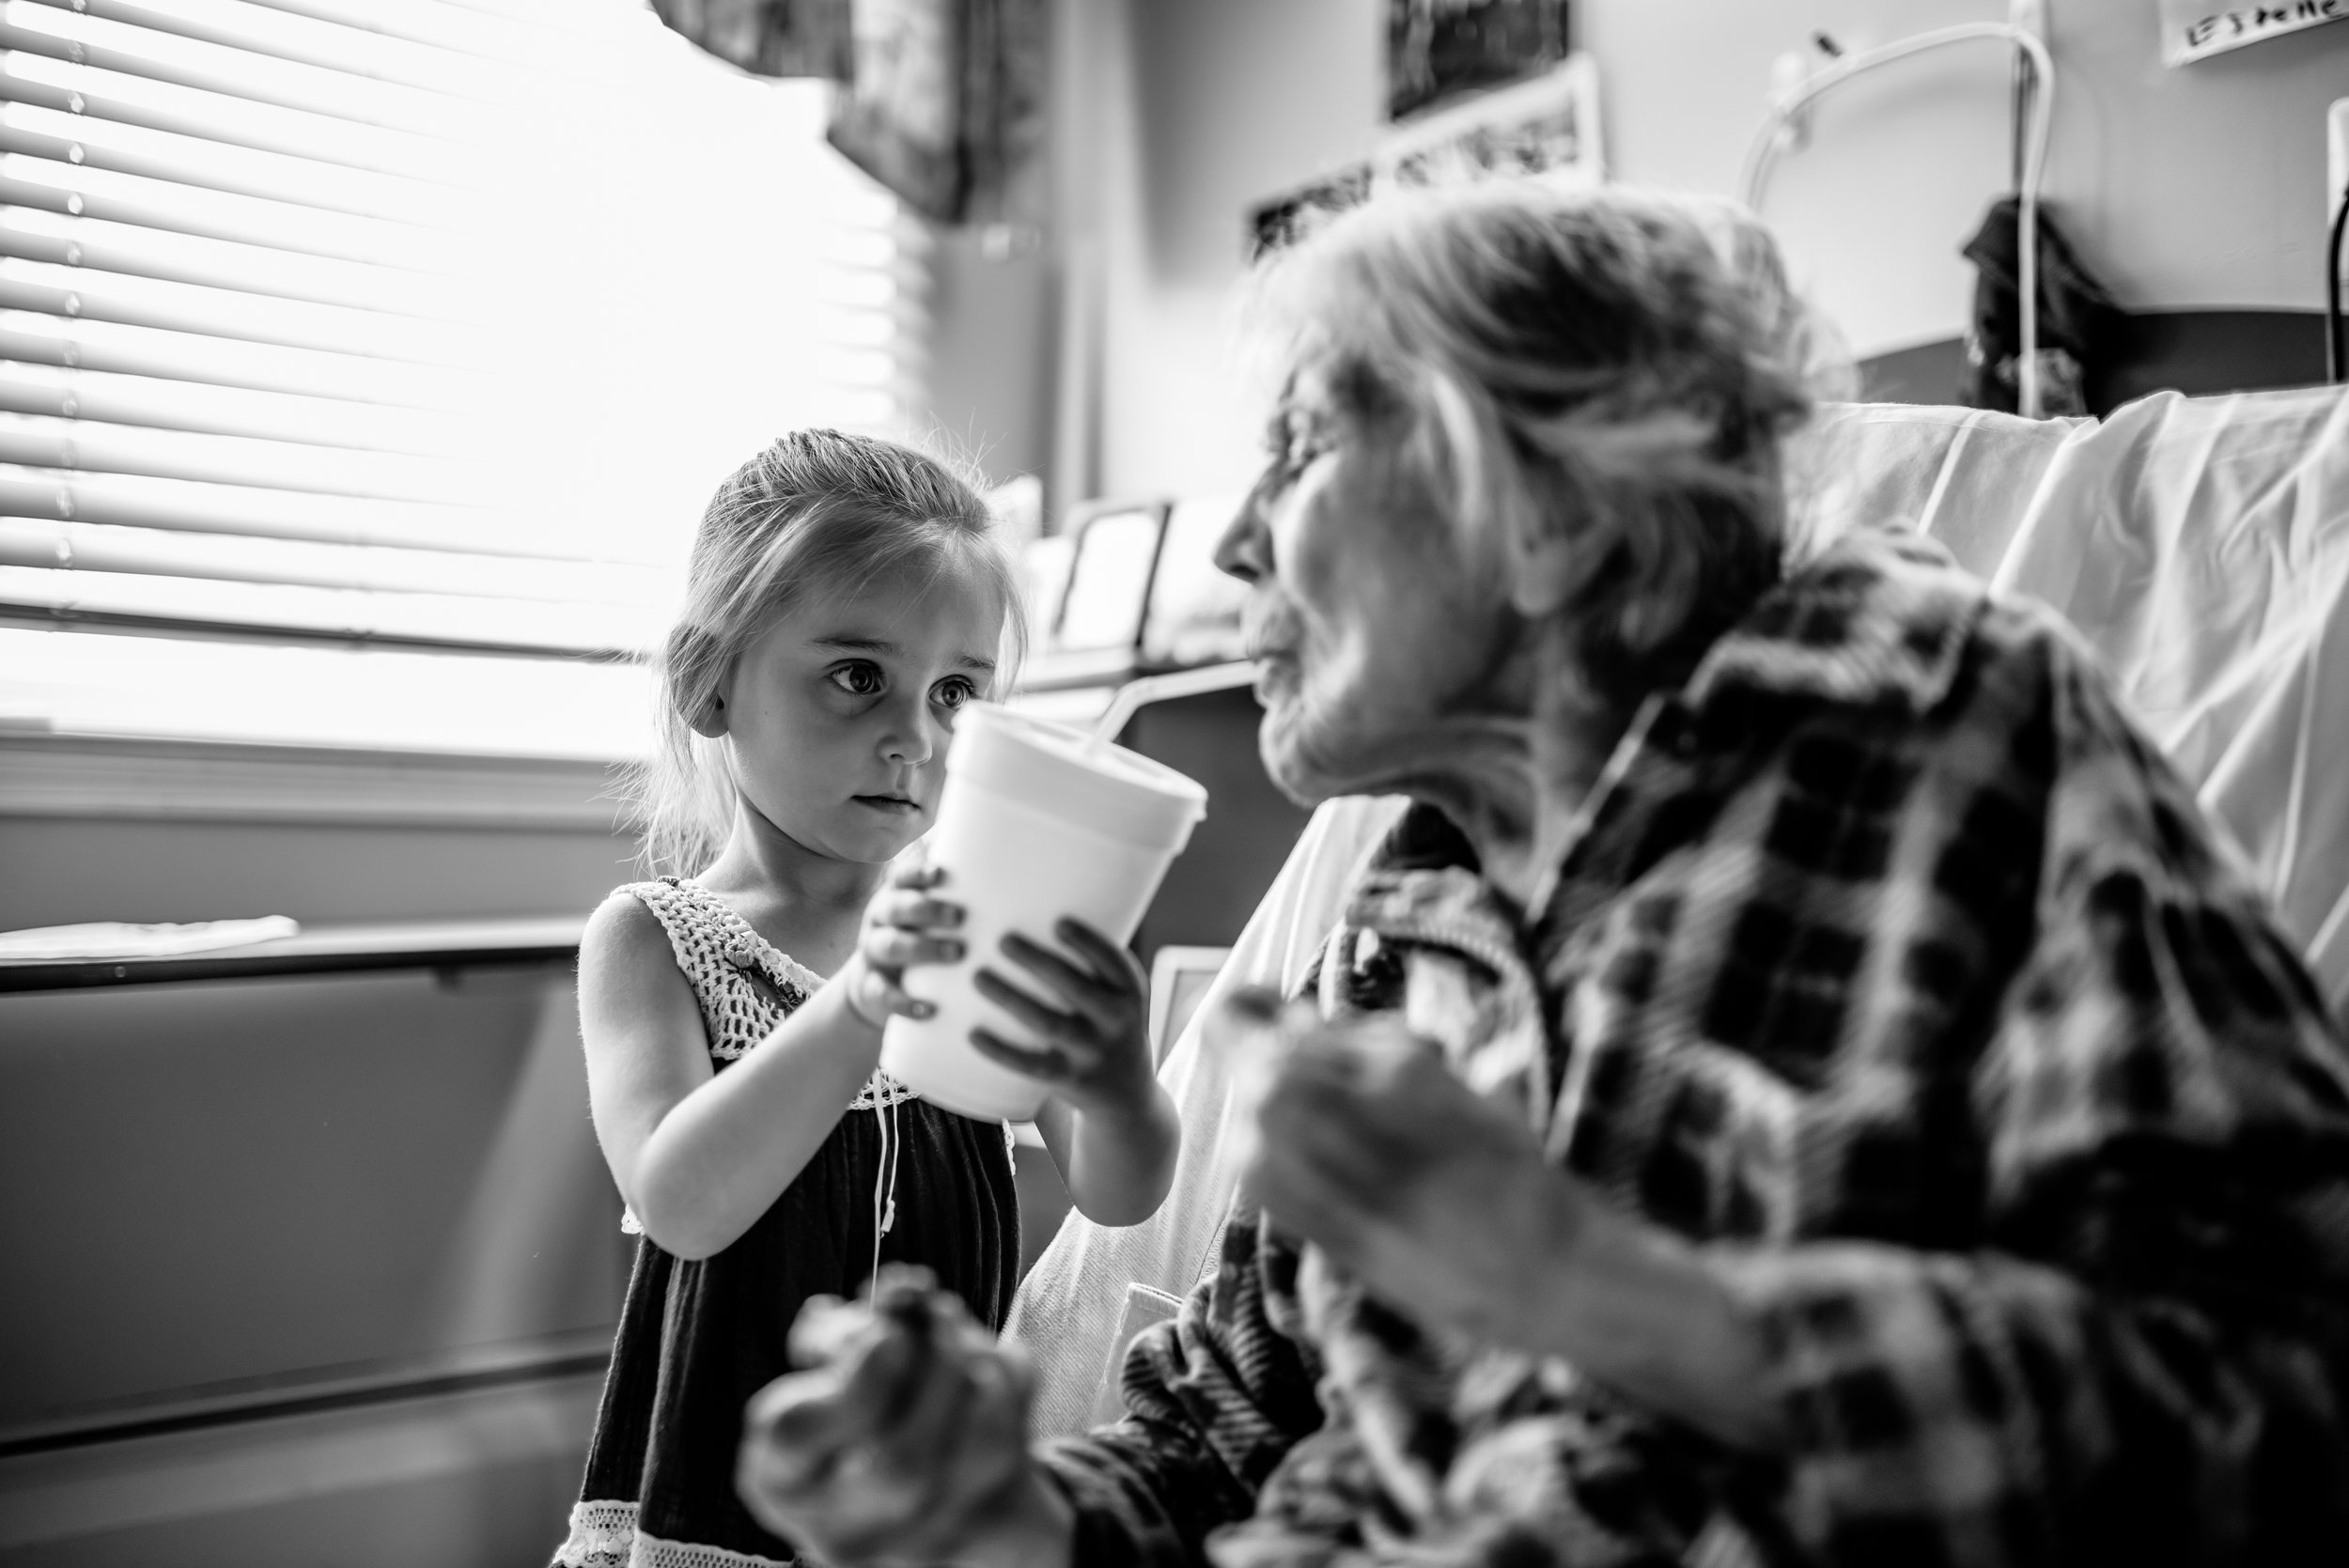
(1542,568)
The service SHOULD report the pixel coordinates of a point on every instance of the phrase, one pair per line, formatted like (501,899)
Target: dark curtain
(769,38)
(939,100)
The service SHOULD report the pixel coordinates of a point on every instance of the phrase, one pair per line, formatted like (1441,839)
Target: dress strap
(715,931)
(746,985)
(694,940)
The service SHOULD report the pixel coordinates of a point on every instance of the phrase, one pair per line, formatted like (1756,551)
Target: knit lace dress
(698,1338)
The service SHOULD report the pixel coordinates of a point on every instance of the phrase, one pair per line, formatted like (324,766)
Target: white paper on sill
(113,938)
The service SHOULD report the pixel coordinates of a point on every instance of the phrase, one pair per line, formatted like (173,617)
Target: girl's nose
(910,736)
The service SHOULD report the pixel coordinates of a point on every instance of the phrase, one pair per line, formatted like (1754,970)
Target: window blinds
(413,323)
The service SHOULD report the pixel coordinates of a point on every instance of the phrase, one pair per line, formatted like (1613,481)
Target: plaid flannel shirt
(1895,968)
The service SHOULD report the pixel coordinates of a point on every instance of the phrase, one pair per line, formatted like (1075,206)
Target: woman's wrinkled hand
(902,1441)
(1440,1201)
(905,925)
(1091,1041)
(1436,1198)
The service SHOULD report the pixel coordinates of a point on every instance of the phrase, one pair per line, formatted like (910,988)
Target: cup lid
(1059,768)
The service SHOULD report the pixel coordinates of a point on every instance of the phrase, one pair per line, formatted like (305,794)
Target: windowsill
(48,774)
(322,950)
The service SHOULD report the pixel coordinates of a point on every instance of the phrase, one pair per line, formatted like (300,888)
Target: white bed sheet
(2202,546)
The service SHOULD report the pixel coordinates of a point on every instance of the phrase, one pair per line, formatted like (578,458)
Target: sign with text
(2195,29)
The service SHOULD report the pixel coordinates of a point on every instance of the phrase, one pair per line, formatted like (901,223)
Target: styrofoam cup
(1036,823)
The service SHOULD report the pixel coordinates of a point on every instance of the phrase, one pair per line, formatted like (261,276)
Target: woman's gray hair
(1618,362)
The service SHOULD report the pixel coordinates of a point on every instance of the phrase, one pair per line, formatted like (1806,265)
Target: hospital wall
(2185,191)
(305,1268)
(986,392)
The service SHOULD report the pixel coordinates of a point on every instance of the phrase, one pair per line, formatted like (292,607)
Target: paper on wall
(2195,29)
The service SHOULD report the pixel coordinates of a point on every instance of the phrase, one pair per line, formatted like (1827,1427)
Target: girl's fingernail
(923,1009)
(951,951)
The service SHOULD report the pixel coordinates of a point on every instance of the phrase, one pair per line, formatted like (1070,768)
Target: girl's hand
(904,927)
(1092,1048)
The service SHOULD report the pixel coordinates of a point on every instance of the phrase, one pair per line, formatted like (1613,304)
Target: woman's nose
(1245,550)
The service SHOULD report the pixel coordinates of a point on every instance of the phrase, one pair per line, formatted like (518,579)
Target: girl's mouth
(895,805)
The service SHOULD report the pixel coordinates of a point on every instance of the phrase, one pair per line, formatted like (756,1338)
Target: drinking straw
(1136,695)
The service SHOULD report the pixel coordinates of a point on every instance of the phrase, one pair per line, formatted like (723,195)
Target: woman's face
(1372,621)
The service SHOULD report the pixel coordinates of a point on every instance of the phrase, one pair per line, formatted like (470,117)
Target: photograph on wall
(1547,127)
(1283,220)
(1439,51)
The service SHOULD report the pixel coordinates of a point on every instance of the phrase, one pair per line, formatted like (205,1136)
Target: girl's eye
(858,680)
(953,693)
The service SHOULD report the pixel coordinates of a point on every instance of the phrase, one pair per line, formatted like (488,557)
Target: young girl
(846,597)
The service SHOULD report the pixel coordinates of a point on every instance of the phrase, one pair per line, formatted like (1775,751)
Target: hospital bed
(2200,545)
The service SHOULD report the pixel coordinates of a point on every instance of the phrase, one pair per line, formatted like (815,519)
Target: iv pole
(2031,51)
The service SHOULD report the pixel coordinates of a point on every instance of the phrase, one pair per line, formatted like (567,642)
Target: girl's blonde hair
(816,511)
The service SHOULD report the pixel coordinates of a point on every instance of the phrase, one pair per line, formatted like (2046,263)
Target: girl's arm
(1109,1126)
(699,1154)
(1117,1161)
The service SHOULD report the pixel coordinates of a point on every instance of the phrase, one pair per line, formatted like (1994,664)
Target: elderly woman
(1804,1085)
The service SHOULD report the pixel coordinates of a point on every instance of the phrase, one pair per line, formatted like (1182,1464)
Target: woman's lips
(1267,644)
(1274,671)
(1269,634)
(895,805)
